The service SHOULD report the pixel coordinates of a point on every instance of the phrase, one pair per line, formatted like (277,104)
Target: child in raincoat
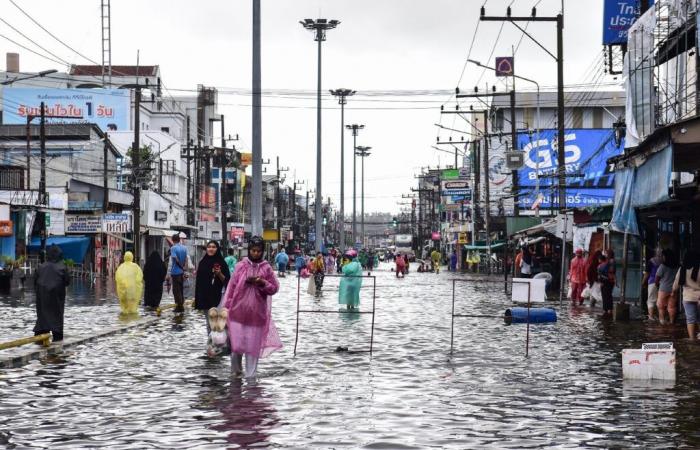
(248,300)
(129,281)
(351,282)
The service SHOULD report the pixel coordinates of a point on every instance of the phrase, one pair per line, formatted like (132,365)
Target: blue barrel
(537,315)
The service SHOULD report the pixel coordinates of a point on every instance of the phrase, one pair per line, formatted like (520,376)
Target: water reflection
(247,416)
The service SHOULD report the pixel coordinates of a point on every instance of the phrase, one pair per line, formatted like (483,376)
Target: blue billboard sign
(589,178)
(618,17)
(108,108)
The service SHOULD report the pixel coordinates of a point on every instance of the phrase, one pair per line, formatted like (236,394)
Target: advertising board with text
(590,180)
(108,108)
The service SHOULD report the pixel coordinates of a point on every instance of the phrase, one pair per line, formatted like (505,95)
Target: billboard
(590,181)
(83,224)
(108,108)
(618,16)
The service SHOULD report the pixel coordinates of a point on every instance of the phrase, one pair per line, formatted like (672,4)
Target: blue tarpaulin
(73,247)
(641,186)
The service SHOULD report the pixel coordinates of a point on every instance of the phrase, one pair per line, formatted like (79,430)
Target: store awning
(73,247)
(161,232)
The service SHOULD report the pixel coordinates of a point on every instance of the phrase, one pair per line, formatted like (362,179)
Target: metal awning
(164,232)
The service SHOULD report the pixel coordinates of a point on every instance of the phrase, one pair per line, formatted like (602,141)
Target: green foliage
(69,263)
(145,154)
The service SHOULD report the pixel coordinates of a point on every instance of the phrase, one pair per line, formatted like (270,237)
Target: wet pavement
(154,387)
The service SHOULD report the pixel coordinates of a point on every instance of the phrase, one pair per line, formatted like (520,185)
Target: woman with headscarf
(351,282)
(50,285)
(129,283)
(248,300)
(154,273)
(212,277)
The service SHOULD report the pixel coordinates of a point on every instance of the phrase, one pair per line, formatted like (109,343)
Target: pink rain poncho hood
(250,325)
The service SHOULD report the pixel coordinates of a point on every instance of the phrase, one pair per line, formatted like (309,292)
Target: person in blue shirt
(282,259)
(299,263)
(178,264)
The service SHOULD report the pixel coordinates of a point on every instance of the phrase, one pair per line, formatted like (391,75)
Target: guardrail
(44,339)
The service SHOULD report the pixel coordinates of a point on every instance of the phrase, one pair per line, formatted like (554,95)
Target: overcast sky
(381,45)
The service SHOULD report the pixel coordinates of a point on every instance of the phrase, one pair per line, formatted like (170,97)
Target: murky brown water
(153,388)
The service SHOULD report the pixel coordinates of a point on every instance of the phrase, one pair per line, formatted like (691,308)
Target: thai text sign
(589,179)
(108,108)
(116,223)
(83,224)
(618,16)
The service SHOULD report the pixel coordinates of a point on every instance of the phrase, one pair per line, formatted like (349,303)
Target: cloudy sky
(381,48)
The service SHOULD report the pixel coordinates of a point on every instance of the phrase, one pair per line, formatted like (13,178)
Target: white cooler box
(655,361)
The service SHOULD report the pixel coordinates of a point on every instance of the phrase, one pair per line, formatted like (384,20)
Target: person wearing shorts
(687,279)
(665,275)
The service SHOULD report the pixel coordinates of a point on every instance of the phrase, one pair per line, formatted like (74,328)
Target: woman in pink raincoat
(249,302)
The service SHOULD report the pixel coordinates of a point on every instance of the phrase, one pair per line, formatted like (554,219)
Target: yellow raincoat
(129,280)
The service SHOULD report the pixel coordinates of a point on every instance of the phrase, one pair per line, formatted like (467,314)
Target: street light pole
(355,129)
(256,203)
(363,152)
(342,95)
(319,27)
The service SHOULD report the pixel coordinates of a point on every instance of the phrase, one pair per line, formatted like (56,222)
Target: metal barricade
(316,311)
(487,316)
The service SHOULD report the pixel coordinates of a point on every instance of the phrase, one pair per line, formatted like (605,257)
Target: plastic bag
(312,286)
(569,291)
(586,293)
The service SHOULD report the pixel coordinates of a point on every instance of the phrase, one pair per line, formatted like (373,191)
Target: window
(165,129)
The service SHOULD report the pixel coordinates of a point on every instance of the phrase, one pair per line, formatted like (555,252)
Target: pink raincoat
(250,326)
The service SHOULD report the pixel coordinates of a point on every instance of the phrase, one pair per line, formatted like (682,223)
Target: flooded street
(154,387)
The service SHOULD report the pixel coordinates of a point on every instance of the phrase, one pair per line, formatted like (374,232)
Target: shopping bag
(586,293)
(312,286)
(569,291)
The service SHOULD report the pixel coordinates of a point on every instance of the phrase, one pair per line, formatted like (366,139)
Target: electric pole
(342,95)
(105,201)
(319,27)
(42,181)
(136,174)
(559,58)
(278,198)
(355,129)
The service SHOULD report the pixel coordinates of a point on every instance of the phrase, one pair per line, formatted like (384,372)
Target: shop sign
(5,228)
(83,224)
(117,223)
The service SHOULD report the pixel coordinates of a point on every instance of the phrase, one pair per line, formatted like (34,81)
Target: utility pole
(319,27)
(307,217)
(355,129)
(363,152)
(487,192)
(559,58)
(278,199)
(105,201)
(223,190)
(342,95)
(190,216)
(256,206)
(28,184)
(42,182)
(136,174)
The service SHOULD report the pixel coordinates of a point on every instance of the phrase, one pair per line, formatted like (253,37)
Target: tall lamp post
(363,152)
(319,27)
(342,95)
(355,129)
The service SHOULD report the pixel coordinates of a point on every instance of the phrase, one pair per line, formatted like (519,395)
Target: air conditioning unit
(515,160)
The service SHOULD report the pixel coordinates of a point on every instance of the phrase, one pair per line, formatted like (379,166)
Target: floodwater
(154,388)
